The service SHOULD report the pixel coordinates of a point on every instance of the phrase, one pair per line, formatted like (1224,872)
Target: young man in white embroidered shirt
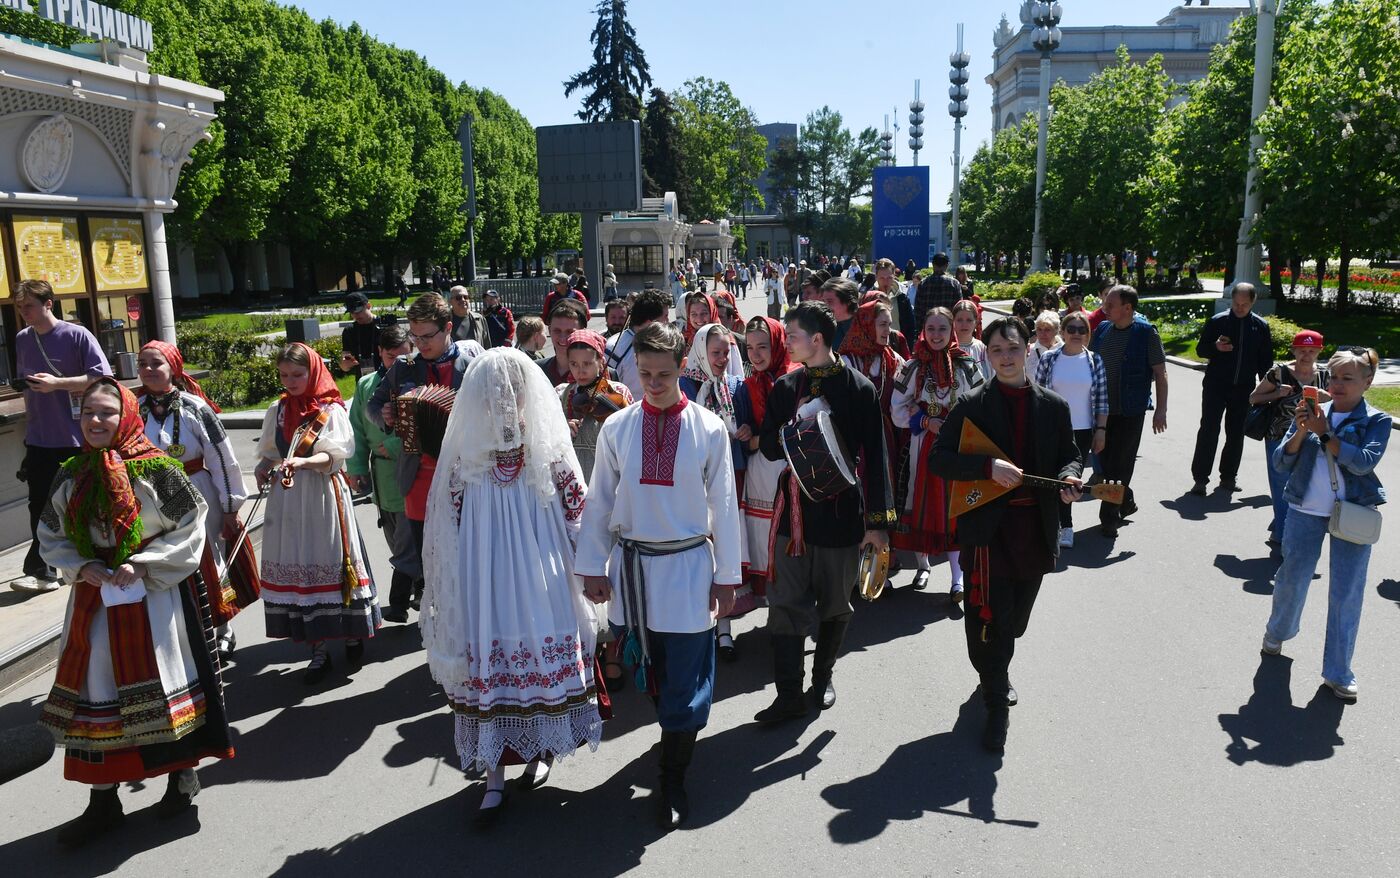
(663,487)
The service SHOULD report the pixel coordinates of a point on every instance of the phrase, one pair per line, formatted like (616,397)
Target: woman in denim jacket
(1355,435)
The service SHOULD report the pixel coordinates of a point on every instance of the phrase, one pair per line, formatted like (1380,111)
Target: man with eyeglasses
(439,360)
(467,325)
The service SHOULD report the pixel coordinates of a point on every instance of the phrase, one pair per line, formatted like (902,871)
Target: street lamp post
(887,145)
(957,108)
(1247,252)
(1046,40)
(916,124)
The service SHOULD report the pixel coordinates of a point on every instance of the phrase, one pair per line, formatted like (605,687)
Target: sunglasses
(1075,330)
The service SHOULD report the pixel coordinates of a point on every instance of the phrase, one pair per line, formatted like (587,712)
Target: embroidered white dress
(659,479)
(517,667)
(303,550)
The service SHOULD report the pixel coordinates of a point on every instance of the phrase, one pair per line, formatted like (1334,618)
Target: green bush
(1281,333)
(998,290)
(1037,285)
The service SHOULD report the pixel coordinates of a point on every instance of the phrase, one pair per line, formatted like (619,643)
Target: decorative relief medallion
(47,153)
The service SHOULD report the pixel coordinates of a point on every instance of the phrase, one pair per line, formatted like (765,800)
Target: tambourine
(873,571)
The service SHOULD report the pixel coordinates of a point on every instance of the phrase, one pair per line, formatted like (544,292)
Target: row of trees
(335,144)
(1139,163)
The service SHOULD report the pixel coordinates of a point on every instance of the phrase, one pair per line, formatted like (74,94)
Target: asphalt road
(1151,739)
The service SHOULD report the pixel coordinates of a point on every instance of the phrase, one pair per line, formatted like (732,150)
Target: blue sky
(783,58)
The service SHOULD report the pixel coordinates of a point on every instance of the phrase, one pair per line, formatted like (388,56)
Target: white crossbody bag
(1351,521)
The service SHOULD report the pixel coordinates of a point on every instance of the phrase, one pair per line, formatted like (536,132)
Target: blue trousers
(1277,482)
(1346,585)
(684,667)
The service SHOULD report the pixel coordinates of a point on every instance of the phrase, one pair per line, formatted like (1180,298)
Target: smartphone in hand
(1310,397)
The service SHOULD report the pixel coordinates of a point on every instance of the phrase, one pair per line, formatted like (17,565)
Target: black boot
(103,814)
(829,638)
(673,805)
(787,674)
(176,800)
(994,735)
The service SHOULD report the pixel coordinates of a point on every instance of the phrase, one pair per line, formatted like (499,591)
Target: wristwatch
(1325,437)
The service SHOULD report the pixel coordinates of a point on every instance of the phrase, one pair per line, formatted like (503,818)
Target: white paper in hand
(116,595)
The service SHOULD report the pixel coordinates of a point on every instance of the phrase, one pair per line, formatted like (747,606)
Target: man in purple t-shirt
(58,360)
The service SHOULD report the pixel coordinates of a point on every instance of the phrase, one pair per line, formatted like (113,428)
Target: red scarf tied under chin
(178,376)
(760,384)
(940,362)
(320,392)
(860,340)
(712,317)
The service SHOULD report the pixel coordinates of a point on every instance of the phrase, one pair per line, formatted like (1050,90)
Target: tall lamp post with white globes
(1046,40)
(916,124)
(957,108)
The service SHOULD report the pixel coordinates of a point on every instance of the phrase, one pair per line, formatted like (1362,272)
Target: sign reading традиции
(97,21)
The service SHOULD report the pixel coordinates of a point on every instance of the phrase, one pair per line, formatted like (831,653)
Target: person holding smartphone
(56,361)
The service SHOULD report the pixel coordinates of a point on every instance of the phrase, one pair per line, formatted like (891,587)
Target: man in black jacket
(1238,350)
(818,545)
(1010,543)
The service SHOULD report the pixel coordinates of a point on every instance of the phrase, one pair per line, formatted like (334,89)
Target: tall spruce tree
(661,149)
(619,73)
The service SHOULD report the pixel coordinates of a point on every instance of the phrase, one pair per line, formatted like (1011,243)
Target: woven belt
(634,582)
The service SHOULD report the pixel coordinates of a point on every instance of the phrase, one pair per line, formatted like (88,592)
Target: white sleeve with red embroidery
(572,493)
(596,537)
(723,499)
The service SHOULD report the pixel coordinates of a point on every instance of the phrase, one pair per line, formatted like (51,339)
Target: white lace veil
(505,402)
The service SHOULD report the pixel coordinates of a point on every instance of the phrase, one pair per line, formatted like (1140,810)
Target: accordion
(421,418)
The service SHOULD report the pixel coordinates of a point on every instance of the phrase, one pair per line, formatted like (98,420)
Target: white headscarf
(697,368)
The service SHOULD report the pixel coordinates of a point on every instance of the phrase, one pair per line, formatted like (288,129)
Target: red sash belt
(193,466)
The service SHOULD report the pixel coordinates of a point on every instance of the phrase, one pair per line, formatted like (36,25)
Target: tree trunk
(236,252)
(1275,276)
(1118,264)
(1320,274)
(299,293)
(1295,267)
(1344,278)
(390,273)
(1141,263)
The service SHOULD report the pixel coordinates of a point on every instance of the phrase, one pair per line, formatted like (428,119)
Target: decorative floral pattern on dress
(571,492)
(557,663)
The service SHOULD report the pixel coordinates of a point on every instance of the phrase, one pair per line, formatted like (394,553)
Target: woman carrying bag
(1281,390)
(1330,454)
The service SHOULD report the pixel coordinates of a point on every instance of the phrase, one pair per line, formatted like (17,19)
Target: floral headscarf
(178,376)
(102,489)
(939,362)
(689,330)
(714,389)
(860,339)
(760,384)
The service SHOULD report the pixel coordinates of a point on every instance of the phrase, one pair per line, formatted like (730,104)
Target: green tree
(618,75)
(722,153)
(998,191)
(662,162)
(1330,166)
(818,177)
(507,184)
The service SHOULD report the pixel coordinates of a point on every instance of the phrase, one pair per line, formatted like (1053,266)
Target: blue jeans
(1277,480)
(1346,585)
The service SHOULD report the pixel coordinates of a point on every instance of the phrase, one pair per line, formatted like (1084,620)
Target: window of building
(633,259)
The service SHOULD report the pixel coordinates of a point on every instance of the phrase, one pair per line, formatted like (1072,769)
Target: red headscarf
(713,317)
(589,337)
(860,339)
(760,384)
(178,376)
(320,392)
(941,362)
(102,481)
(737,324)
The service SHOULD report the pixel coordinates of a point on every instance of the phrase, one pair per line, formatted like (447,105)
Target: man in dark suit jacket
(1009,544)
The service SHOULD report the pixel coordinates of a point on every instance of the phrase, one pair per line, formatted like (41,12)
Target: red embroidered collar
(675,409)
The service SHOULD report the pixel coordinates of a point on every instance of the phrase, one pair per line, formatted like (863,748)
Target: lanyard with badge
(75,400)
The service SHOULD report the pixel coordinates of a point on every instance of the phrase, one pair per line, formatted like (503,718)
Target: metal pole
(957,191)
(1038,238)
(1247,253)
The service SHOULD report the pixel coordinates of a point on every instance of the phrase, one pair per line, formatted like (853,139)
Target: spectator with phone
(56,361)
(1284,387)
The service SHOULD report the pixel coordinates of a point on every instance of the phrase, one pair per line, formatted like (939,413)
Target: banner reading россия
(899,201)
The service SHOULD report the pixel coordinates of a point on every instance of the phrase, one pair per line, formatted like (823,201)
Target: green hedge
(243,367)
(1037,285)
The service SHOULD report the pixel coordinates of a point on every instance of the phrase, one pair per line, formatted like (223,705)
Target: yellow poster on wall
(48,249)
(5,291)
(118,253)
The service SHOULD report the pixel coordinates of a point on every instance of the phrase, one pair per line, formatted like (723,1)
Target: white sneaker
(35,584)
(1344,691)
(1271,647)
(1066,538)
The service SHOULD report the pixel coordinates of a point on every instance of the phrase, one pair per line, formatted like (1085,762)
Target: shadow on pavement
(1256,574)
(1389,590)
(929,776)
(1193,508)
(143,831)
(1283,735)
(1093,551)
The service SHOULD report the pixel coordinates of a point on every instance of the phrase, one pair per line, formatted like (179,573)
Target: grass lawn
(325,310)
(1379,331)
(1386,398)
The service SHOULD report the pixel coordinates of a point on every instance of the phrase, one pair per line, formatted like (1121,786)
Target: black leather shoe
(994,735)
(488,817)
(1198,489)
(673,806)
(920,580)
(354,651)
(102,815)
(394,614)
(1012,699)
(174,802)
(822,695)
(1109,530)
(1228,486)
(315,674)
(788,705)
(1128,508)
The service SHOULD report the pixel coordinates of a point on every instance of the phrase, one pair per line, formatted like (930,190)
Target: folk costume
(415,471)
(377,453)
(816,546)
(879,363)
(138,691)
(760,474)
(926,389)
(736,363)
(507,631)
(316,584)
(591,405)
(1010,543)
(184,423)
(663,487)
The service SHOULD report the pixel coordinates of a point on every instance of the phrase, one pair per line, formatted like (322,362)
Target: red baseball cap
(1307,339)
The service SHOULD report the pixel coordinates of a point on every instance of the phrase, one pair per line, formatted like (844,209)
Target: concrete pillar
(188,274)
(160,275)
(259,267)
(225,273)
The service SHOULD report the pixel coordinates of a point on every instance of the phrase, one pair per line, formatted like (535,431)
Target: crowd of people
(562,527)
